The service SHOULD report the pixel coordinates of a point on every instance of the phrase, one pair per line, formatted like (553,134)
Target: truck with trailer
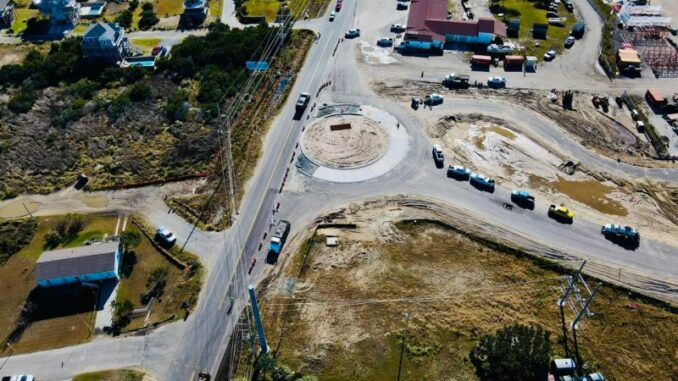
(456,81)
(279,237)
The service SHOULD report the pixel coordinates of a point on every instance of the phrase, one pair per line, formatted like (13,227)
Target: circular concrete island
(345,141)
(350,142)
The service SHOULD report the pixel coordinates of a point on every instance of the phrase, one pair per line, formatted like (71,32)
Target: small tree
(122,314)
(515,352)
(148,17)
(129,239)
(125,19)
(75,225)
(53,239)
(155,284)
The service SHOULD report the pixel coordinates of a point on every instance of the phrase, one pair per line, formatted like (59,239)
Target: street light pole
(402,345)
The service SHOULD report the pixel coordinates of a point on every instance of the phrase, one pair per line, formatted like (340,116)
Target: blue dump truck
(278,238)
(620,232)
(523,199)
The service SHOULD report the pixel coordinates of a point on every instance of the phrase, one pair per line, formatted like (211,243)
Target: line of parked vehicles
(625,235)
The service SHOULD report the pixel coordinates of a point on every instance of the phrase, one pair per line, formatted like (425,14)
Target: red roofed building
(428,21)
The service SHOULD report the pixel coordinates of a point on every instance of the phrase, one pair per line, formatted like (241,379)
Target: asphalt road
(179,350)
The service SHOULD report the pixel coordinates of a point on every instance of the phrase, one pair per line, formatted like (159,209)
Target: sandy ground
(350,299)
(345,141)
(498,149)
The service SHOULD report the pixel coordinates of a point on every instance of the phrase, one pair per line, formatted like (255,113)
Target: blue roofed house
(78,264)
(105,41)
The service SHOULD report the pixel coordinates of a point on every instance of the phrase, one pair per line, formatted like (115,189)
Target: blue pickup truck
(279,237)
(618,231)
(522,198)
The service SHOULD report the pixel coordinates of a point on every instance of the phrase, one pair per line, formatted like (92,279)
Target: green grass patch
(166,8)
(146,44)
(182,285)
(80,29)
(111,375)
(267,8)
(22,16)
(215,7)
(315,7)
(528,15)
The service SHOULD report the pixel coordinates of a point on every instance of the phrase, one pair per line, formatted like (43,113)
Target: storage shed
(78,264)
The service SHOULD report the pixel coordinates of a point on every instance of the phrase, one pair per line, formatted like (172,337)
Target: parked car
(458,172)
(482,181)
(332,15)
(352,33)
(433,99)
(569,41)
(438,157)
(550,55)
(523,199)
(561,212)
(619,231)
(398,28)
(338,6)
(401,6)
(385,41)
(19,377)
(159,50)
(165,236)
(496,81)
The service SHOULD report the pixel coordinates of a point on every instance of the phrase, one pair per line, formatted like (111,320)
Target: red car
(338,7)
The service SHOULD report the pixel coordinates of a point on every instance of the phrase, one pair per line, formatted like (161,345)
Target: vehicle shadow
(562,220)
(272,258)
(523,203)
(482,187)
(627,244)
(457,176)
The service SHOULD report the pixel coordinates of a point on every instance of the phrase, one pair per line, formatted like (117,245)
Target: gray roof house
(78,264)
(105,41)
(6,13)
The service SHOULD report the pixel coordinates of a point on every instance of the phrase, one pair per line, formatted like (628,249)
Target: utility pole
(402,345)
(574,328)
(257,320)
(561,304)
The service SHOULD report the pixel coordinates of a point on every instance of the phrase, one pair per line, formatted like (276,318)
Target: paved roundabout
(351,143)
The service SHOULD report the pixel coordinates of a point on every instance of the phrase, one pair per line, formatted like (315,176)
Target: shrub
(140,92)
(177,107)
(22,101)
(148,17)
(515,352)
(14,235)
(125,18)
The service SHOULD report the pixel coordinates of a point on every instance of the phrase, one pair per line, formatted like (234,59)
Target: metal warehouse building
(428,21)
(78,264)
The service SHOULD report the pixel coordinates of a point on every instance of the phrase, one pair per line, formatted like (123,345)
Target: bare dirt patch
(610,133)
(345,141)
(343,320)
(502,150)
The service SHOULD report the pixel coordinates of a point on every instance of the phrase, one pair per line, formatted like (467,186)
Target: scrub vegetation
(344,318)
(61,110)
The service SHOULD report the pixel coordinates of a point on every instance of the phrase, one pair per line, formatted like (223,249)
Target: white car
(496,81)
(569,41)
(433,99)
(551,54)
(333,14)
(352,33)
(165,235)
(398,28)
